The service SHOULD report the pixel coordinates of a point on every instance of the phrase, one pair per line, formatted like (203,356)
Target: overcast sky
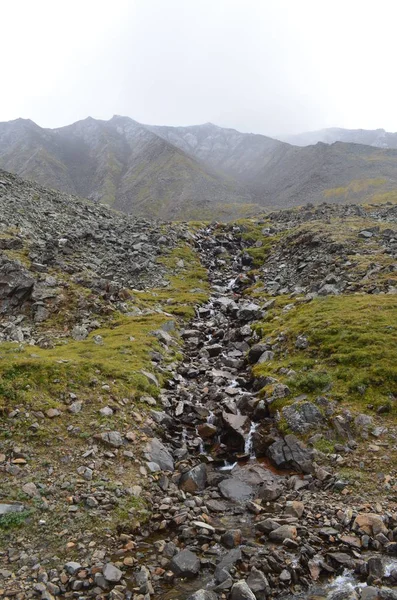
(267,66)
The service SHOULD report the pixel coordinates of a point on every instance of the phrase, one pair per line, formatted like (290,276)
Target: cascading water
(249,442)
(211,418)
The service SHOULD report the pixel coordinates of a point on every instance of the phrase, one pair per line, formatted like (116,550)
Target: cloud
(268,66)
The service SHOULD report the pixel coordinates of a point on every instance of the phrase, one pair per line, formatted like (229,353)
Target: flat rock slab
(17,507)
(235,490)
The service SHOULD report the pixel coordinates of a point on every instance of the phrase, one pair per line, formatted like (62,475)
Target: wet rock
(203,595)
(375,567)
(206,430)
(185,564)
(225,564)
(232,538)
(195,479)
(258,583)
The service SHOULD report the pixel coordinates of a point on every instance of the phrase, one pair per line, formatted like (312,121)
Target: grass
(351,352)
(13,520)
(188,284)
(355,187)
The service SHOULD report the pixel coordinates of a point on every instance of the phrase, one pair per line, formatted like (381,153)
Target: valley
(196,410)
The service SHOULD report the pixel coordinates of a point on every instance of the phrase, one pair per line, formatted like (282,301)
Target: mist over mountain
(201,171)
(371,137)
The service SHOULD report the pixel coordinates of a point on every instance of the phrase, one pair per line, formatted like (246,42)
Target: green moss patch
(351,353)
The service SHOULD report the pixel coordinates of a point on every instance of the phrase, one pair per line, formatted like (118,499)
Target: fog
(267,66)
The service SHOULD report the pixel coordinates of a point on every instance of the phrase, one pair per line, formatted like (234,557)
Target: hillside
(196,411)
(119,163)
(198,172)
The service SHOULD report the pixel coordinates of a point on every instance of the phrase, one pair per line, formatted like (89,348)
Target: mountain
(244,156)
(194,172)
(370,137)
(279,174)
(118,162)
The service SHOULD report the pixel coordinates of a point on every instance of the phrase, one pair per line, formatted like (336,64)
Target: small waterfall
(201,446)
(227,466)
(211,418)
(184,437)
(249,443)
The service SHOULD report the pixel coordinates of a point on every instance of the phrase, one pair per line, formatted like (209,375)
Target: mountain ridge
(198,171)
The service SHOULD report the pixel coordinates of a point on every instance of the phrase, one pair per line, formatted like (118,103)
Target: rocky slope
(196,411)
(199,172)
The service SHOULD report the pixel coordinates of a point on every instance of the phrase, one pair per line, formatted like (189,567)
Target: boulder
(194,480)
(258,583)
(231,538)
(235,490)
(294,508)
(111,438)
(270,491)
(290,453)
(241,591)
(285,532)
(369,523)
(185,564)
(301,417)
(155,451)
(112,573)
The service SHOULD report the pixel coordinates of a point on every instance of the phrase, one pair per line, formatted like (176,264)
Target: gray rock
(155,451)
(112,573)
(301,417)
(290,453)
(257,582)
(79,333)
(195,479)
(185,564)
(203,595)
(111,438)
(241,591)
(284,532)
(17,507)
(235,490)
(72,567)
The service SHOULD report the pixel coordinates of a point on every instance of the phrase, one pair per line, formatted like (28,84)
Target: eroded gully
(232,515)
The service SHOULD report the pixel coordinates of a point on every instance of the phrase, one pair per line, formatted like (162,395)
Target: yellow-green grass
(357,186)
(352,349)
(188,284)
(29,374)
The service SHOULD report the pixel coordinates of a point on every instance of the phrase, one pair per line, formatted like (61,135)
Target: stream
(218,422)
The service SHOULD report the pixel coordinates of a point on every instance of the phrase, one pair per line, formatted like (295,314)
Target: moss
(351,351)
(188,286)
(13,520)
